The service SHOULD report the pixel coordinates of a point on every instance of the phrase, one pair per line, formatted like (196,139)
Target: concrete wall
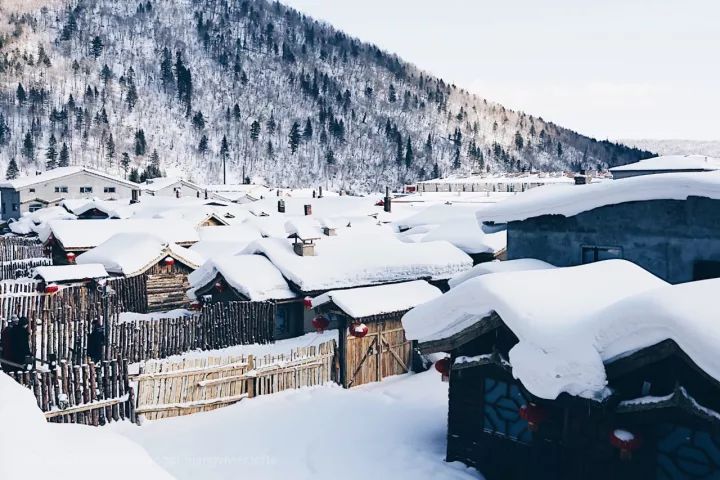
(666,237)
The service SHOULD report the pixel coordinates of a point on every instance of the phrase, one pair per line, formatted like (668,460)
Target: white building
(172,187)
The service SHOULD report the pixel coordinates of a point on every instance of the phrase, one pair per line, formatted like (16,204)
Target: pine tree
(140,143)
(166,70)
(125,162)
(224,154)
(308,131)
(198,120)
(96,46)
(12,170)
(254,130)
(203,145)
(436,171)
(51,153)
(106,74)
(399,157)
(236,112)
(294,137)
(409,156)
(134,175)
(270,150)
(271,124)
(132,96)
(28,147)
(559,149)
(153,168)
(428,145)
(20,94)
(110,149)
(518,141)
(64,158)
(392,94)
(330,157)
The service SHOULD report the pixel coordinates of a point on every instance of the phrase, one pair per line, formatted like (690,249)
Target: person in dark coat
(16,344)
(96,342)
(6,344)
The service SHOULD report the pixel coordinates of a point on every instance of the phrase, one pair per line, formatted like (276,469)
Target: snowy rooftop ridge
(60,172)
(672,162)
(485,268)
(575,199)
(368,301)
(66,273)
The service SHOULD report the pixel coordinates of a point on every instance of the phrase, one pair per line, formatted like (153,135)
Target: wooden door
(383,352)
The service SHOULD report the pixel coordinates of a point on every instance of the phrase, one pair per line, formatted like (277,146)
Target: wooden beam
(478,329)
(195,404)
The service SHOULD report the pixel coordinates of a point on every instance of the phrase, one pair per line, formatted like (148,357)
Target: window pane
(501,410)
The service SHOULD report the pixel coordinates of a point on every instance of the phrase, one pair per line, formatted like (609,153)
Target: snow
(555,352)
(498,266)
(64,273)
(231,233)
(362,259)
(86,234)
(127,317)
(254,276)
(672,162)
(35,222)
(535,178)
(571,200)
(56,173)
(33,449)
(623,435)
(367,301)
(132,253)
(397,429)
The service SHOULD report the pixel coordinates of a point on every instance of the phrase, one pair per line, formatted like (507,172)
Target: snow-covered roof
(556,177)
(497,267)
(548,310)
(132,253)
(35,222)
(305,228)
(86,234)
(368,301)
(362,259)
(67,273)
(157,184)
(254,276)
(60,172)
(231,233)
(672,162)
(571,200)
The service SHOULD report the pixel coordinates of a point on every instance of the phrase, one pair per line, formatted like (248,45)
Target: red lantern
(52,288)
(534,415)
(320,323)
(627,442)
(358,330)
(307,303)
(443,366)
(169,261)
(70,257)
(219,286)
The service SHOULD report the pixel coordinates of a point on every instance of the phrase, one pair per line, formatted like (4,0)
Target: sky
(618,69)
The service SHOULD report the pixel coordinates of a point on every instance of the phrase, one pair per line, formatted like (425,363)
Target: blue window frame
(686,454)
(501,410)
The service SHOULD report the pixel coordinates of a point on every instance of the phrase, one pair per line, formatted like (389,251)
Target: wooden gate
(383,352)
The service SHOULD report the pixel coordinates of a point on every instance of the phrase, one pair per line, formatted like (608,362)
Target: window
(85,189)
(35,207)
(109,189)
(61,189)
(501,410)
(706,269)
(31,190)
(15,207)
(592,254)
(686,454)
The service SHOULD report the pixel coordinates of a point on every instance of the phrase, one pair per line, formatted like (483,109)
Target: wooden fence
(168,389)
(20,248)
(130,293)
(216,326)
(91,394)
(21,268)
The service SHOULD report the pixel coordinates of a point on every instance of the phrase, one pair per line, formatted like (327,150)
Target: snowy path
(395,429)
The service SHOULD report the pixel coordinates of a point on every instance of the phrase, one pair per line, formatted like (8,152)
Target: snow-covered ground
(393,429)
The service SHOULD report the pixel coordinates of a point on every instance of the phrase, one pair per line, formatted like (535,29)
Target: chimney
(329,231)
(319,192)
(135,198)
(387,205)
(206,194)
(177,193)
(308,209)
(314,194)
(281,206)
(582,178)
(304,248)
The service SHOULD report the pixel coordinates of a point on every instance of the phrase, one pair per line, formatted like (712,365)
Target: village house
(31,193)
(666,164)
(372,343)
(494,182)
(172,187)
(154,273)
(67,239)
(669,224)
(596,371)
(68,274)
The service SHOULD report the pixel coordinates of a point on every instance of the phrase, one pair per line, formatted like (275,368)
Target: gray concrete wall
(666,237)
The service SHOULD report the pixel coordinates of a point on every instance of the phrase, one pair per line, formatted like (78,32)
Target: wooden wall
(166,286)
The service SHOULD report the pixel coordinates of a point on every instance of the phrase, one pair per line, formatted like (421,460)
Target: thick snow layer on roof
(34,222)
(306,228)
(672,162)
(230,233)
(498,266)
(254,276)
(33,448)
(56,173)
(131,253)
(361,259)
(556,177)
(571,200)
(85,234)
(207,249)
(548,310)
(367,301)
(64,273)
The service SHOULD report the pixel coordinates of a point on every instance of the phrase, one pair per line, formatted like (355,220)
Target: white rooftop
(60,172)
(66,273)
(86,234)
(672,162)
(497,267)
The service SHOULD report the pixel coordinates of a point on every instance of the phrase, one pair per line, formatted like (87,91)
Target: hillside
(710,148)
(177,86)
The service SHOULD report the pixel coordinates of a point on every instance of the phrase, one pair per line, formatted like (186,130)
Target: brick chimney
(387,201)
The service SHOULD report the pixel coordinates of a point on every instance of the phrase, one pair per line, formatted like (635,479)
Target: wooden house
(581,389)
(372,343)
(149,274)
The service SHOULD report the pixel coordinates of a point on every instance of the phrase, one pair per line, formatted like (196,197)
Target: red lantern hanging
(627,442)
(443,366)
(51,288)
(320,323)
(169,261)
(70,256)
(219,286)
(358,330)
(534,415)
(307,303)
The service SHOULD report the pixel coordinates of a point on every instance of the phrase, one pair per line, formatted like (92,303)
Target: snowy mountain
(180,85)
(710,148)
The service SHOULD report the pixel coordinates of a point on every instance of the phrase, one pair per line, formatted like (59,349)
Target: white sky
(607,68)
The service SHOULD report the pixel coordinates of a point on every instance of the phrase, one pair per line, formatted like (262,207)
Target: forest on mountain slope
(183,87)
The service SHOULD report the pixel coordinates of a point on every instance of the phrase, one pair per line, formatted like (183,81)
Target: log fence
(16,269)
(20,248)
